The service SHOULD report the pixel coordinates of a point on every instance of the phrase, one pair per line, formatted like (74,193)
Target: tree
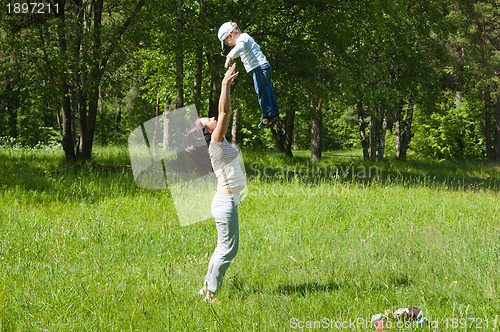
(316,128)
(461,122)
(179,56)
(423,69)
(77,41)
(485,16)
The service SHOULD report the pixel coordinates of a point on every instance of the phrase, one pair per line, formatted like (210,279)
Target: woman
(230,182)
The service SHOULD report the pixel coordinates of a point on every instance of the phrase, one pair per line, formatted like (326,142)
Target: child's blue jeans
(262,79)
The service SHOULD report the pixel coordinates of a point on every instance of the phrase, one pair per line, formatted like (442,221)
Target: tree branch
(120,33)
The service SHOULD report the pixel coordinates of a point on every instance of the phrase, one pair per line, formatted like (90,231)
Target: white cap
(225,30)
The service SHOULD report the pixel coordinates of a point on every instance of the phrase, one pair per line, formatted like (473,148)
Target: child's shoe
(269,122)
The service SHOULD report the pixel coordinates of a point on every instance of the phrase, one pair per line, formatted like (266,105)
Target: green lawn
(83,248)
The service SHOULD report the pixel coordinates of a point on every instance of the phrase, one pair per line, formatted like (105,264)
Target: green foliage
(133,109)
(450,132)
(340,130)
(376,52)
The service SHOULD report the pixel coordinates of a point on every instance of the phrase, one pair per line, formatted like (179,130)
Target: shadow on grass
(391,281)
(454,175)
(45,175)
(302,289)
(306,288)
(27,169)
(41,170)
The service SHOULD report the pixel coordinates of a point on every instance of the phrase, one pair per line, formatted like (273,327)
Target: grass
(83,248)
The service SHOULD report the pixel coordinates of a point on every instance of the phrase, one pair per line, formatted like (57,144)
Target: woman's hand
(230,75)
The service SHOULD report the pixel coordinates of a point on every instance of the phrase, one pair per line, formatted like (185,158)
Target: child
(254,61)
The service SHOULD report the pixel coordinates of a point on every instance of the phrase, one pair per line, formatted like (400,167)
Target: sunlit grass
(83,248)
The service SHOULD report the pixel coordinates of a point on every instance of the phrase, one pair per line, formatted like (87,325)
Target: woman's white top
(225,158)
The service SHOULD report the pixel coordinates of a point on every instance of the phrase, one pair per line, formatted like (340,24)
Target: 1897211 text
(32,8)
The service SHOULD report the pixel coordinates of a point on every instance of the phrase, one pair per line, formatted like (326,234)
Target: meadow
(83,248)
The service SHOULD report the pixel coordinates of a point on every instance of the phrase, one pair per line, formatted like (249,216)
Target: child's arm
(224,105)
(235,52)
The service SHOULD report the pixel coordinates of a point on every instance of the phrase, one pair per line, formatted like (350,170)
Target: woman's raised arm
(224,105)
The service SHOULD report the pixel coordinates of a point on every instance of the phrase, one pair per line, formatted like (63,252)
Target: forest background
(407,75)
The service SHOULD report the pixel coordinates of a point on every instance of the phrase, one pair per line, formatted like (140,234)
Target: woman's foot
(202,291)
(210,297)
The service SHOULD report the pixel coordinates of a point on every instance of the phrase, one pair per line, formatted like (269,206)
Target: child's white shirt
(249,52)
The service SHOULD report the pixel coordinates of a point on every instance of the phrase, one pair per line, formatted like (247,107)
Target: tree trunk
(378,128)
(497,117)
(481,33)
(87,136)
(295,139)
(198,71)
(99,104)
(166,128)
(76,69)
(74,106)
(278,133)
(497,130)
(118,117)
(283,133)
(89,98)
(214,93)
(381,138)
(290,125)
(458,99)
(179,57)
(234,127)
(64,92)
(213,101)
(397,130)
(316,128)
(487,124)
(362,130)
(11,103)
(99,111)
(373,135)
(458,137)
(67,135)
(406,134)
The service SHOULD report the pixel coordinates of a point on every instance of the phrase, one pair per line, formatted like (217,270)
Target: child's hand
(228,62)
